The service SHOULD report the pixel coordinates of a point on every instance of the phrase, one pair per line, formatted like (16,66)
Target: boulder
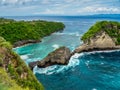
(60,56)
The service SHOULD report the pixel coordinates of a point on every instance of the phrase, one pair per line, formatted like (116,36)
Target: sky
(58,7)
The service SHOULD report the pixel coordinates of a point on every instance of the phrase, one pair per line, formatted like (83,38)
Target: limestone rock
(101,41)
(60,56)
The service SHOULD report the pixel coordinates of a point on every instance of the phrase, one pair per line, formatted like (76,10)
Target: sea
(85,71)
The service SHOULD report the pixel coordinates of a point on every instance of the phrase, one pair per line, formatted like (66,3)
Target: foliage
(2,40)
(16,70)
(14,31)
(110,27)
(6,83)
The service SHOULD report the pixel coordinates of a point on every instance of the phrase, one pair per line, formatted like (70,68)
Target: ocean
(85,71)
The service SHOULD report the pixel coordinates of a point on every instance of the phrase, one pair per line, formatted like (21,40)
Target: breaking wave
(75,34)
(55,46)
(74,61)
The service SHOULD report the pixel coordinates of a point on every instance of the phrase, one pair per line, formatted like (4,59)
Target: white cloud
(93,9)
(9,1)
(13,2)
(65,7)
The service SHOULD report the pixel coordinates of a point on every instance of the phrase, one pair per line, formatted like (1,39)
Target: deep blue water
(85,71)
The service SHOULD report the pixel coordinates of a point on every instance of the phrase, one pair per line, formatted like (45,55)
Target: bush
(110,27)
(15,67)
(14,31)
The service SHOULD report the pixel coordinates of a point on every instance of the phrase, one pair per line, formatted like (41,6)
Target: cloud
(14,2)
(92,9)
(56,7)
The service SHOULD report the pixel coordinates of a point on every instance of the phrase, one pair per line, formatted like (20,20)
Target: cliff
(14,73)
(22,32)
(103,35)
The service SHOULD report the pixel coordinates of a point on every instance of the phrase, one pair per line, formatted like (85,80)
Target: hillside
(14,73)
(14,31)
(110,27)
(104,35)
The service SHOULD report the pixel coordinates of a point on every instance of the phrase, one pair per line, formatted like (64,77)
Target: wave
(76,34)
(104,51)
(55,46)
(94,89)
(24,57)
(74,61)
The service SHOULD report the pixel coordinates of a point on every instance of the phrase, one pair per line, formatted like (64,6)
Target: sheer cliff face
(16,69)
(101,40)
(104,35)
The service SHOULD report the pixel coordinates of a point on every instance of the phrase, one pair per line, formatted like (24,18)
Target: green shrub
(110,27)
(2,39)
(6,44)
(15,67)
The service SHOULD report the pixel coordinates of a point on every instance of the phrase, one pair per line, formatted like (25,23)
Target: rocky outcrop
(100,41)
(24,42)
(16,69)
(60,56)
(33,64)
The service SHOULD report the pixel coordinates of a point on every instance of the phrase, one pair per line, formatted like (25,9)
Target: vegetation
(14,73)
(14,31)
(6,83)
(110,27)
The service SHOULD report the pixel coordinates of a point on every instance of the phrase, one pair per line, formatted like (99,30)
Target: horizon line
(56,15)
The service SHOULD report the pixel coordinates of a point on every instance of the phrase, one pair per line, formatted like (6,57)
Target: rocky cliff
(14,73)
(104,38)
(104,35)
(60,56)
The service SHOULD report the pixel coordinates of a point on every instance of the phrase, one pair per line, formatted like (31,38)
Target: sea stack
(60,56)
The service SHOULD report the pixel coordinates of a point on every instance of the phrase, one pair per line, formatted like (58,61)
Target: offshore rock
(60,56)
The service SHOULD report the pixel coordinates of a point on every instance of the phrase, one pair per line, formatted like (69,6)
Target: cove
(85,71)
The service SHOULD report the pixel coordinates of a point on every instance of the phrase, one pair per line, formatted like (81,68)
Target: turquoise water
(85,71)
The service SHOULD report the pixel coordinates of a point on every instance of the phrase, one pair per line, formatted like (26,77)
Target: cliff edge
(104,35)
(14,73)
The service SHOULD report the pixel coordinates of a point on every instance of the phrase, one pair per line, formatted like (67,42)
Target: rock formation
(24,42)
(104,35)
(100,41)
(60,56)
(14,72)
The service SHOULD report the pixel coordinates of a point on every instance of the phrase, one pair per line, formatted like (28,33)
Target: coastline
(25,42)
(82,48)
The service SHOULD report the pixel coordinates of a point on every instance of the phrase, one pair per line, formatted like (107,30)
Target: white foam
(94,89)
(76,34)
(24,57)
(55,46)
(74,61)
(104,51)
(77,55)
(22,46)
